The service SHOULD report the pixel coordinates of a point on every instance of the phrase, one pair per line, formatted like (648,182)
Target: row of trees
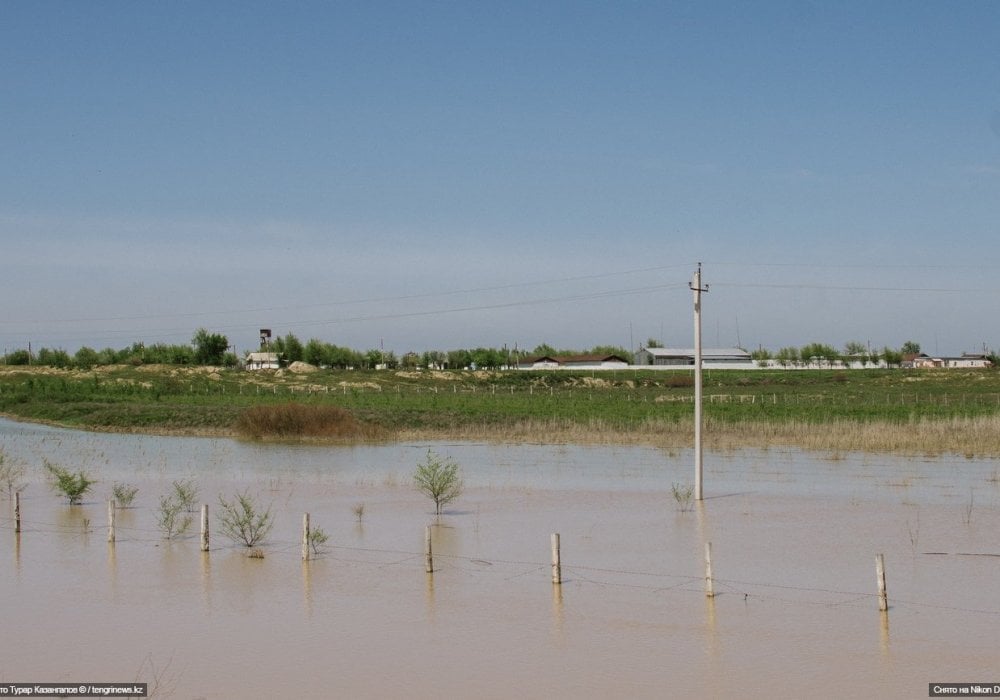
(322,354)
(854,353)
(207,348)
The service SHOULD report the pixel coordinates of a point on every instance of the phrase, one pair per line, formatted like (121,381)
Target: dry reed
(977,436)
(295,420)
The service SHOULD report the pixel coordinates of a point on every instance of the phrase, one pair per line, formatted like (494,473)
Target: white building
(678,358)
(574,362)
(261,360)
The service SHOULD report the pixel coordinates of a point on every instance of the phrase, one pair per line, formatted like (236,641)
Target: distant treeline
(213,349)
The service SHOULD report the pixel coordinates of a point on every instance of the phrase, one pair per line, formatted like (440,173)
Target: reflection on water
(793,537)
(777,471)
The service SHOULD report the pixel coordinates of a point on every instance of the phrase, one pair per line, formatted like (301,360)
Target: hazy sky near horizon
(438,175)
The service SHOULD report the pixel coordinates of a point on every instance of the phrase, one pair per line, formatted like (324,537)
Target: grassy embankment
(925,412)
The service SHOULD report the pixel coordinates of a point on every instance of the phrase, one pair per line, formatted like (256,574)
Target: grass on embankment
(924,412)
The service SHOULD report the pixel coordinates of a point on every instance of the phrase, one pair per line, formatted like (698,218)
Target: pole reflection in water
(884,634)
(113,569)
(429,596)
(558,613)
(206,579)
(307,592)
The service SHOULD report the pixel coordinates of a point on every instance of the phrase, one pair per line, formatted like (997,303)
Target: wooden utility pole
(305,537)
(556,559)
(883,600)
(428,553)
(111,520)
(697,289)
(204,527)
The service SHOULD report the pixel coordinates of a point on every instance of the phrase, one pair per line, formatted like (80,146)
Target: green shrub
(439,480)
(73,486)
(11,475)
(171,518)
(317,540)
(242,521)
(683,495)
(124,494)
(186,494)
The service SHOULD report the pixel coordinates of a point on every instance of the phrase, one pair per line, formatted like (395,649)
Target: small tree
(171,518)
(242,521)
(892,358)
(787,356)
(185,493)
(819,353)
(761,356)
(439,480)
(317,540)
(124,494)
(209,348)
(683,495)
(11,475)
(73,486)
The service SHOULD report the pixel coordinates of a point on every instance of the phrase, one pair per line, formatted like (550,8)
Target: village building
(261,360)
(579,362)
(677,358)
(966,361)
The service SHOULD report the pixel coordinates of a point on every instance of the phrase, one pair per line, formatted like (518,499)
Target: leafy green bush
(171,518)
(242,521)
(318,539)
(11,475)
(683,494)
(124,494)
(185,493)
(439,480)
(73,486)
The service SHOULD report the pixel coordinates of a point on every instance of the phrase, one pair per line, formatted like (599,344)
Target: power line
(854,288)
(372,300)
(606,294)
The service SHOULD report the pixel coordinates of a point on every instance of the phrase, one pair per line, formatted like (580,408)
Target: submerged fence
(560,569)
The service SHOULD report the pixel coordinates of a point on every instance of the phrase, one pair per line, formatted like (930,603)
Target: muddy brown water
(793,534)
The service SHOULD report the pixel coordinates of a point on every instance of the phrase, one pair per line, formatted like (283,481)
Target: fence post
(709,584)
(111,520)
(883,600)
(204,527)
(556,560)
(305,537)
(17,512)
(428,555)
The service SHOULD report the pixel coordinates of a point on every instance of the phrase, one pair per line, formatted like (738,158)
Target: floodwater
(793,538)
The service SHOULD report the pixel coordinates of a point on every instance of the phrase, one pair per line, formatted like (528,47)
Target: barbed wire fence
(579,574)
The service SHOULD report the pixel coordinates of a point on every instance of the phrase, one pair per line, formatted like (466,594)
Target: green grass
(195,400)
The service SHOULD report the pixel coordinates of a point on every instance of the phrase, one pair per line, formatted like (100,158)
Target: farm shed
(573,362)
(684,357)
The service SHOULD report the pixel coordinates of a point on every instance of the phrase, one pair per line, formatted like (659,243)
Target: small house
(261,360)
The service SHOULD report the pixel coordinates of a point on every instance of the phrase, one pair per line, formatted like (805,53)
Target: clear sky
(439,175)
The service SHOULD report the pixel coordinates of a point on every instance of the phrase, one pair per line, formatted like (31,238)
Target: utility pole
(697,289)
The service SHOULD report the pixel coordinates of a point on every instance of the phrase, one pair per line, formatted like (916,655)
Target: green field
(611,406)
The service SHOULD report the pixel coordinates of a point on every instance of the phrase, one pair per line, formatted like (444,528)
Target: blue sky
(444,175)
